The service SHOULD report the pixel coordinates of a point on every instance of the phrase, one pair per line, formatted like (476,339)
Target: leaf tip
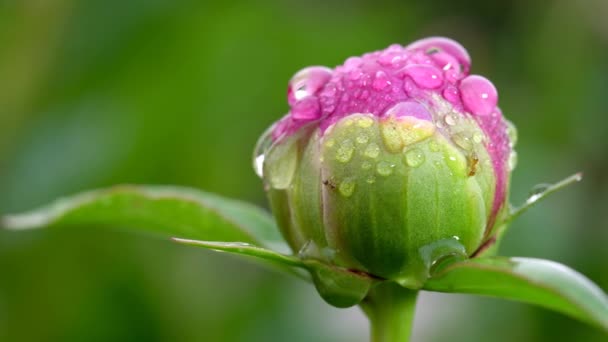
(22,222)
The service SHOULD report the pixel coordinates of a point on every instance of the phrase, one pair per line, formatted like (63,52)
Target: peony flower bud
(390,162)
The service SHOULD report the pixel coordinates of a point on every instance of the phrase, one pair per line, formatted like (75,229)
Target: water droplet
(308,249)
(372,150)
(512,133)
(451,119)
(362,138)
(434,146)
(409,108)
(385,168)
(258,165)
(371,179)
(462,141)
(381,81)
(345,151)
(365,122)
(512,160)
(478,137)
(424,76)
(414,157)
(436,254)
(366,165)
(259,153)
(478,94)
(306,109)
(447,45)
(307,82)
(281,162)
(451,94)
(537,192)
(347,187)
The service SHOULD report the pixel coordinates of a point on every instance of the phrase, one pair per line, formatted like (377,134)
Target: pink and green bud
(389,162)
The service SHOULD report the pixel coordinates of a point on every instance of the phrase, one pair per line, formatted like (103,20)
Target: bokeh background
(99,92)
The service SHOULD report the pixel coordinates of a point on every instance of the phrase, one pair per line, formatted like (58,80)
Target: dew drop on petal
(372,151)
(307,82)
(306,109)
(362,138)
(414,157)
(478,94)
(347,187)
(385,168)
(463,141)
(345,150)
(512,160)
(261,147)
(424,76)
(444,44)
(451,94)
(409,108)
(381,81)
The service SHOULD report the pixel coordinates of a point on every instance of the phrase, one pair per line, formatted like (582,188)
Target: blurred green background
(99,92)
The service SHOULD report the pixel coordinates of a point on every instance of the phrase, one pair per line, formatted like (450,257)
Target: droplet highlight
(345,150)
(347,187)
(478,94)
(385,168)
(372,150)
(414,157)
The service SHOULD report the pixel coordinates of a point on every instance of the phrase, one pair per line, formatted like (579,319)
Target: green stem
(390,309)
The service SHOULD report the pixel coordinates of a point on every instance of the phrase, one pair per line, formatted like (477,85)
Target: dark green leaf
(542,282)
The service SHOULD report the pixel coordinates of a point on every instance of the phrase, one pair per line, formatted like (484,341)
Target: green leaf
(286,262)
(535,281)
(539,193)
(161,210)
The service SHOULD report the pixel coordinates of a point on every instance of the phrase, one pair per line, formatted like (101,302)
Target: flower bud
(389,162)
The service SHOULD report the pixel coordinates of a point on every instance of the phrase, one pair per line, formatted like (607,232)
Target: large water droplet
(372,150)
(537,192)
(478,94)
(512,160)
(345,151)
(424,76)
(381,81)
(444,44)
(307,82)
(451,119)
(385,168)
(347,187)
(306,109)
(462,141)
(281,162)
(261,148)
(362,138)
(409,108)
(451,94)
(434,255)
(414,157)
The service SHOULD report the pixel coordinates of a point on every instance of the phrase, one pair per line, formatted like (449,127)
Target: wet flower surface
(389,162)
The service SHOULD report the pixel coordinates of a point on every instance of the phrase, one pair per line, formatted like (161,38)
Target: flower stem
(390,309)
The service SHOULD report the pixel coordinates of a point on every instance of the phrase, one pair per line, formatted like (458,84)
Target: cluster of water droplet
(427,81)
